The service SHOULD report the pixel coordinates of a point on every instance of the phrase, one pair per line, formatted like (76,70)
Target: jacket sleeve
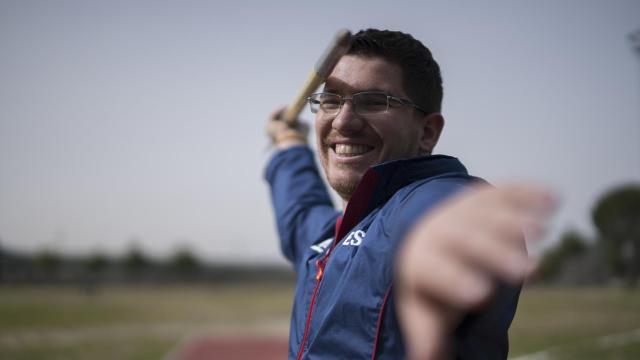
(484,334)
(302,205)
(419,200)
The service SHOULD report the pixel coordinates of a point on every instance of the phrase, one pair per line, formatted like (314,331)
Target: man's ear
(432,127)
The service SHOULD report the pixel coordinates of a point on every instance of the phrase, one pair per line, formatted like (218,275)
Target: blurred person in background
(424,260)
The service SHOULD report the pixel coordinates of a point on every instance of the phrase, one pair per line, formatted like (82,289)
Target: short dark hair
(420,72)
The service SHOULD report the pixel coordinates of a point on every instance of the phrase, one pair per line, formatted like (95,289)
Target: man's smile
(349,150)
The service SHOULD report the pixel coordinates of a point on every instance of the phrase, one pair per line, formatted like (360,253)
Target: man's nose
(347,121)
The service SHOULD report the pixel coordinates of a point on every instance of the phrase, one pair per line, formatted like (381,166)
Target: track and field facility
(251,321)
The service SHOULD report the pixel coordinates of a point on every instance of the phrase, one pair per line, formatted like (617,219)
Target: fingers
(421,320)
(527,198)
(445,280)
(283,134)
(491,242)
(277,114)
(530,205)
(506,260)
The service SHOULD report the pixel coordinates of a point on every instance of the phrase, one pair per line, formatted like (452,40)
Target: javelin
(327,61)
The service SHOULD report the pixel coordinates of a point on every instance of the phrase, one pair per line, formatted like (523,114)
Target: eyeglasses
(363,103)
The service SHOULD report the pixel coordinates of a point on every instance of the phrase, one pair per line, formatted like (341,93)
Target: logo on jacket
(322,246)
(354,238)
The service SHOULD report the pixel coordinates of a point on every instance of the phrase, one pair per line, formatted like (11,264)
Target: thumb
(425,326)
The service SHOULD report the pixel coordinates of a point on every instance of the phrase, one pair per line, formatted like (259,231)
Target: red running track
(232,349)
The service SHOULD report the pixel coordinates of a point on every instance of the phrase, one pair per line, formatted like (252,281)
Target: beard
(344,187)
(344,180)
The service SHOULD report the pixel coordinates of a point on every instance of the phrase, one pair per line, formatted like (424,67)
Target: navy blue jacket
(344,302)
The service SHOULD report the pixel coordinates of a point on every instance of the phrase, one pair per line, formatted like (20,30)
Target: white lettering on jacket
(354,238)
(322,246)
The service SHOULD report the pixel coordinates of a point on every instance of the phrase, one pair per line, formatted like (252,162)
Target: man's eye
(330,102)
(373,101)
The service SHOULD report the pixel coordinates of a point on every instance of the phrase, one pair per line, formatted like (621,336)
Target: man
(394,274)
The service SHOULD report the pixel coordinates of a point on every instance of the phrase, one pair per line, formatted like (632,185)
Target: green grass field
(147,322)
(132,322)
(581,323)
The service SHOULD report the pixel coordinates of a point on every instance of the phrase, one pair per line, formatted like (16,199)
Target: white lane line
(540,355)
(619,339)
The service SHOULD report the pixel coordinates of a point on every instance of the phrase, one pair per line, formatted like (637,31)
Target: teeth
(351,150)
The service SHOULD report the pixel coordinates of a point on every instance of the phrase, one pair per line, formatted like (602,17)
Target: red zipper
(353,212)
(320,264)
(311,306)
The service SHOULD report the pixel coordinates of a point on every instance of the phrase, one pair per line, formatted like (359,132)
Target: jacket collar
(380,182)
(396,174)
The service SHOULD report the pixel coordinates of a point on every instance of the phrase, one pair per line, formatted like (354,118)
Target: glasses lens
(370,103)
(328,103)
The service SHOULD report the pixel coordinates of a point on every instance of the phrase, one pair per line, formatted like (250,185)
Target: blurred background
(134,218)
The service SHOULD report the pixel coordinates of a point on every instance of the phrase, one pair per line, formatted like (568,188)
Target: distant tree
(617,217)
(2,260)
(135,261)
(184,262)
(96,263)
(48,262)
(571,244)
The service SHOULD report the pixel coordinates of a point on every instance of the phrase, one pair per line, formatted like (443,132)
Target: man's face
(349,143)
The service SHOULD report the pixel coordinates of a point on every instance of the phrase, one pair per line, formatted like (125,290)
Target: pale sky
(144,120)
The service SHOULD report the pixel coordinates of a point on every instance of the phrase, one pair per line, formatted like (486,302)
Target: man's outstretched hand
(450,261)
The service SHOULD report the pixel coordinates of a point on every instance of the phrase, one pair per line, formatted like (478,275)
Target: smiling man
(375,124)
(418,261)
